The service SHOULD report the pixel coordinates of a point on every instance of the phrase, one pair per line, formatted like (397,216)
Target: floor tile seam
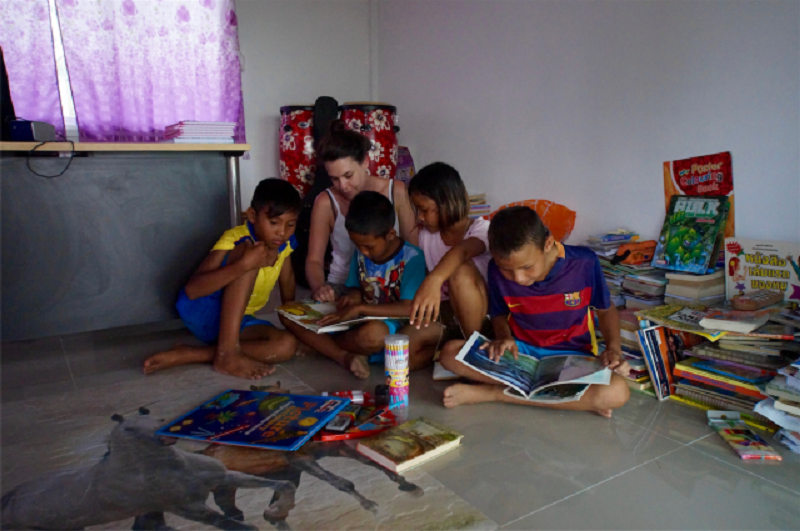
(592,486)
(651,430)
(750,472)
(69,367)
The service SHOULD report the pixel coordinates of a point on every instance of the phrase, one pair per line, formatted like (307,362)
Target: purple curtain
(136,66)
(27,43)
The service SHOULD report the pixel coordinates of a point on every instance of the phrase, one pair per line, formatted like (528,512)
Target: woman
(344,154)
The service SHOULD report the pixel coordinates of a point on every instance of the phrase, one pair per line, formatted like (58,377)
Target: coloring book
(692,235)
(258,419)
(550,379)
(306,314)
(751,265)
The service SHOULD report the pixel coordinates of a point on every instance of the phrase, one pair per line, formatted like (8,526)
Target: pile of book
(606,247)
(639,378)
(783,406)
(188,132)
(644,289)
(478,207)
(695,289)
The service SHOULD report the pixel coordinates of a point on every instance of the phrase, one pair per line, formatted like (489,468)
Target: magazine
(550,379)
(306,314)
(751,265)
(692,235)
(256,418)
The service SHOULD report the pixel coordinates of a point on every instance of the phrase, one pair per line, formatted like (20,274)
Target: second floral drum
(378,122)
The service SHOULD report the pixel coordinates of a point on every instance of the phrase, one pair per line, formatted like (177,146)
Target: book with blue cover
(257,419)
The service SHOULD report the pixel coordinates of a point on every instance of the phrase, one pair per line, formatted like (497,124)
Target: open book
(551,379)
(306,314)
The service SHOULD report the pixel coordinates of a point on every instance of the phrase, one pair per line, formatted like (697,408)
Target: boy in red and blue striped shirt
(540,292)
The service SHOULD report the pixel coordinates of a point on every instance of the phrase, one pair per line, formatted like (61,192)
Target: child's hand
(498,347)
(345,314)
(425,306)
(613,360)
(257,255)
(324,293)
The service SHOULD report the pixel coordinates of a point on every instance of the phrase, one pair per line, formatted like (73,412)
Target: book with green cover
(409,444)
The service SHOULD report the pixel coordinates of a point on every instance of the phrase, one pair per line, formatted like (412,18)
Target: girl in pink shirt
(456,250)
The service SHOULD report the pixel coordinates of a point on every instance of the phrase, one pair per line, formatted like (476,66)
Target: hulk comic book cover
(692,234)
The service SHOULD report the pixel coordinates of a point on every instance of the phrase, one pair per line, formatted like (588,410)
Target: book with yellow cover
(688,369)
(410,444)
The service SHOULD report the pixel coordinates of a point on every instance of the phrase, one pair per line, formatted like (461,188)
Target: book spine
(718,382)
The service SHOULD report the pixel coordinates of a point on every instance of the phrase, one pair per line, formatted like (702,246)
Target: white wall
(295,51)
(581,102)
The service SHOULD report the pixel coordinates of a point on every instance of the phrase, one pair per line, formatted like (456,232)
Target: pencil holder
(396,354)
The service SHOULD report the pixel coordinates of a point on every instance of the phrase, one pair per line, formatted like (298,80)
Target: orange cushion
(558,218)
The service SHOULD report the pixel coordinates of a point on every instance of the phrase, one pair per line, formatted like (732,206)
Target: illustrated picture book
(752,265)
(258,419)
(699,176)
(740,437)
(307,314)
(409,444)
(691,237)
(551,379)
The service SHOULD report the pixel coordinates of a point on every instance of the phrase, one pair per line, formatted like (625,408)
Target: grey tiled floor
(652,466)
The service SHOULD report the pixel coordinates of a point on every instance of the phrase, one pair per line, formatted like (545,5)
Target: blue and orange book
(257,419)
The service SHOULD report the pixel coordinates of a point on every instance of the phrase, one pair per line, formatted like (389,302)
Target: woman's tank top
(342,245)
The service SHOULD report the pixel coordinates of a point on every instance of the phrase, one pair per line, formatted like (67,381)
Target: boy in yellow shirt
(234,282)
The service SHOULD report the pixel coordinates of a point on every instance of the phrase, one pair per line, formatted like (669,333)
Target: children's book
(257,419)
(740,437)
(752,265)
(699,176)
(688,369)
(550,379)
(691,237)
(307,314)
(742,322)
(740,372)
(683,317)
(409,444)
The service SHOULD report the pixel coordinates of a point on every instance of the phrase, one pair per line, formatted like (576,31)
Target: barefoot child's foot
(179,355)
(460,394)
(358,365)
(234,363)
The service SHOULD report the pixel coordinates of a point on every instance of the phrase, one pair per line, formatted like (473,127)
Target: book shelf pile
(190,132)
(708,289)
(478,206)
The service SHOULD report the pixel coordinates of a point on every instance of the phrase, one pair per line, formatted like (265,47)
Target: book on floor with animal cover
(307,314)
(409,444)
(692,235)
(550,379)
(257,419)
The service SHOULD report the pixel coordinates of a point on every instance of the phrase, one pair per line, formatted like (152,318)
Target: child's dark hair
(514,227)
(370,214)
(341,143)
(277,197)
(442,184)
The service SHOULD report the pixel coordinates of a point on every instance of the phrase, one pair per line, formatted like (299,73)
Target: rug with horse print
(90,460)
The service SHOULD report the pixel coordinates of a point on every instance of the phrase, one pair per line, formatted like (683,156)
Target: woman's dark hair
(277,197)
(514,227)
(442,184)
(370,214)
(341,143)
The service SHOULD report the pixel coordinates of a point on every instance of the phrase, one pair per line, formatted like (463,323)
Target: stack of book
(644,289)
(188,132)
(478,207)
(606,246)
(695,289)
(639,378)
(784,406)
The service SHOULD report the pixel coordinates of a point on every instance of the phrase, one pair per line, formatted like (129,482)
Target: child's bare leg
(361,342)
(180,355)
(228,358)
(267,343)
(601,399)
(421,344)
(328,347)
(468,297)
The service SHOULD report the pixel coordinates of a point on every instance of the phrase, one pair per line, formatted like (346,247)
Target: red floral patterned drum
(298,161)
(378,122)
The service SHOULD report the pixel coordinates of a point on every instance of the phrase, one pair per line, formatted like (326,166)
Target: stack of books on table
(695,289)
(478,207)
(188,132)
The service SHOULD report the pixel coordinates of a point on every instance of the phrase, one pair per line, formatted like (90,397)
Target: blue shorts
(201,316)
(539,352)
